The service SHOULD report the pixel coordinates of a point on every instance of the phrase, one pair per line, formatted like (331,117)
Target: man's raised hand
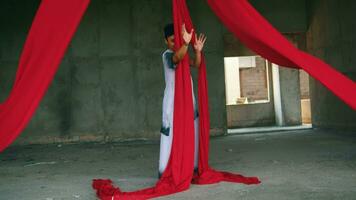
(187,37)
(199,42)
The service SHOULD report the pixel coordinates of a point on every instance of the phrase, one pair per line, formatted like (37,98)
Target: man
(171,57)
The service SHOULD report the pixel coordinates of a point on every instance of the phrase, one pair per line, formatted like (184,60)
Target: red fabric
(179,173)
(50,34)
(51,31)
(257,34)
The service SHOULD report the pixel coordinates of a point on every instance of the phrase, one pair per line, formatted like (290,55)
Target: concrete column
(277,95)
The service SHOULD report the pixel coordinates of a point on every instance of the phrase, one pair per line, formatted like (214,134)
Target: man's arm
(179,55)
(197,60)
(187,37)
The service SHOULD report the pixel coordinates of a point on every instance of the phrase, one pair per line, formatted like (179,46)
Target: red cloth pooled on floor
(179,173)
(51,32)
(260,36)
(52,29)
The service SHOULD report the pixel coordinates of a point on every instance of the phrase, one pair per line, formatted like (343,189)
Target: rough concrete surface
(110,82)
(309,164)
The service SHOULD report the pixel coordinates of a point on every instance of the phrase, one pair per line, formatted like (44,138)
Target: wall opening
(246,80)
(262,94)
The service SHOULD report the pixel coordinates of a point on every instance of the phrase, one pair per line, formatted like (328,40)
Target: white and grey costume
(167,113)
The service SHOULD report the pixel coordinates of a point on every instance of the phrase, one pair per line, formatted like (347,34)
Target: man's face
(170,42)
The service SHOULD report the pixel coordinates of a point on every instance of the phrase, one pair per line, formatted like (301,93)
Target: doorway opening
(261,94)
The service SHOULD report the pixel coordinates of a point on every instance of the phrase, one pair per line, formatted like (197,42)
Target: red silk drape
(179,173)
(51,32)
(260,36)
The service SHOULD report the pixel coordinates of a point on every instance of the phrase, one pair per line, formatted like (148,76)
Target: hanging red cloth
(51,32)
(179,173)
(260,36)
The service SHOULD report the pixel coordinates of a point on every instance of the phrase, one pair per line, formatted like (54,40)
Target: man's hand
(187,37)
(199,42)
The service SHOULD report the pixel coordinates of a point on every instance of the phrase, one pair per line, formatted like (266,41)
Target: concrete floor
(306,164)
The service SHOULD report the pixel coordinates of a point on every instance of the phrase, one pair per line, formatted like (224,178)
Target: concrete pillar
(331,37)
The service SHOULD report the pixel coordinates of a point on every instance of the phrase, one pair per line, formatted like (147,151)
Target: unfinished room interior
(86,104)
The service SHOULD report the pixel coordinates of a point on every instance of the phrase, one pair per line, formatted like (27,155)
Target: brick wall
(253,81)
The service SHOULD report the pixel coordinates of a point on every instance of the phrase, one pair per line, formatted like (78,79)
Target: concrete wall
(288,16)
(331,36)
(110,83)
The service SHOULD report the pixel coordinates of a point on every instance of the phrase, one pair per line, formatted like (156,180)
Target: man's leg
(165,151)
(196,141)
